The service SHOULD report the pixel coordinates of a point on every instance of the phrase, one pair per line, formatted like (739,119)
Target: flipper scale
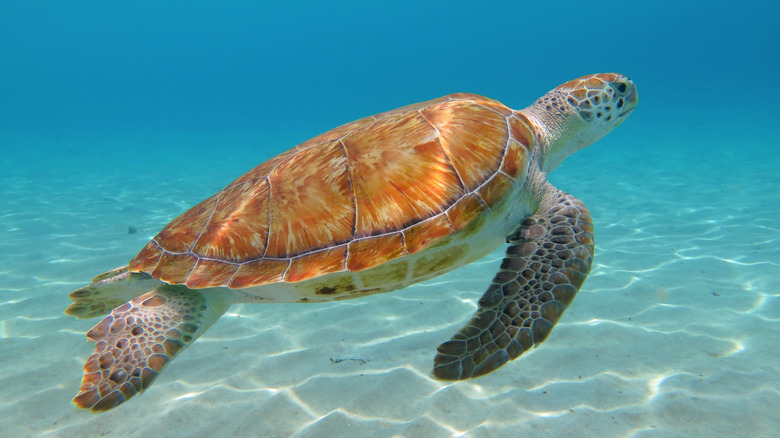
(547,262)
(139,338)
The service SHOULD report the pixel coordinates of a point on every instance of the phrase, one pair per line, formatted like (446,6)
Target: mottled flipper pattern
(109,290)
(138,339)
(547,261)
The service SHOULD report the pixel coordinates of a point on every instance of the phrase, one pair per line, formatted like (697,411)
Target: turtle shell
(350,199)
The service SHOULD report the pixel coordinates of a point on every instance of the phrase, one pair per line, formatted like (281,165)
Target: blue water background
(164,81)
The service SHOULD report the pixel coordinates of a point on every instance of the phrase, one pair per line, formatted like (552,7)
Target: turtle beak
(630,99)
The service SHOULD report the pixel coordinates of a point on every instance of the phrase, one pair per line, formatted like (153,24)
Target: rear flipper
(109,290)
(547,261)
(138,339)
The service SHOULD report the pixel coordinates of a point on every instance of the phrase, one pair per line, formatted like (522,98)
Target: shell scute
(495,190)
(521,131)
(311,204)
(473,137)
(515,159)
(316,264)
(179,235)
(400,174)
(238,228)
(482,100)
(258,272)
(465,210)
(174,268)
(411,108)
(147,259)
(421,235)
(210,273)
(372,251)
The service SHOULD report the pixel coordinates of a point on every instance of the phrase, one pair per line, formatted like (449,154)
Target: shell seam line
(268,219)
(444,151)
(286,270)
(213,210)
(161,254)
(351,189)
(192,269)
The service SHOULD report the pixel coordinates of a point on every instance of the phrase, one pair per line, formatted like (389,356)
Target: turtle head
(576,114)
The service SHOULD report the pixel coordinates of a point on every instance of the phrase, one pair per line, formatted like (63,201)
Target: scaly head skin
(578,113)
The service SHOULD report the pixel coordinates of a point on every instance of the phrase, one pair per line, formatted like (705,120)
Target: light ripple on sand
(680,314)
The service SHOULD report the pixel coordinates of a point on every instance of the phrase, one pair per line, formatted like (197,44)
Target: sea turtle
(371,206)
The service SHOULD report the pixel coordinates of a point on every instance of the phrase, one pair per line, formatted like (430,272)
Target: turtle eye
(621,87)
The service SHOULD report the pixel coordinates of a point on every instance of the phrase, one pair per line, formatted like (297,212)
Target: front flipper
(547,261)
(138,339)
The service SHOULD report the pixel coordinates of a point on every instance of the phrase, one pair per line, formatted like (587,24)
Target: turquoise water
(117,117)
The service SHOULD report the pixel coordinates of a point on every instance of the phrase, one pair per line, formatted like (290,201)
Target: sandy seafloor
(675,333)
